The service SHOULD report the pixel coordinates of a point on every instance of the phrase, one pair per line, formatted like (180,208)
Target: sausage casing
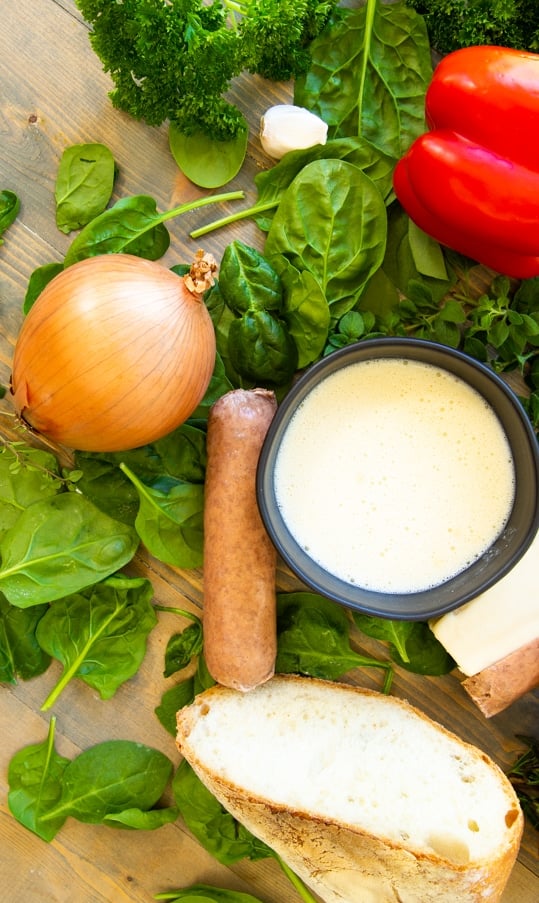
(239,617)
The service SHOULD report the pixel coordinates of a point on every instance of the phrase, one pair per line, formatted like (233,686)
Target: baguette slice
(362,795)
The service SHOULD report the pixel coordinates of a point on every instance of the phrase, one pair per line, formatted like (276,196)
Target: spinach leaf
(142,820)
(369,74)
(170,519)
(261,348)
(40,277)
(306,312)
(412,644)
(313,636)
(99,634)
(247,281)
(172,701)
(27,475)
(332,222)
(10,206)
(104,484)
(214,828)
(109,779)
(133,226)
(205,893)
(35,777)
(84,184)
(59,546)
(182,647)
(207,161)
(20,653)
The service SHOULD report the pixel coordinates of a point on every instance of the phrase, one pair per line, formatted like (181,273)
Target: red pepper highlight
(472,181)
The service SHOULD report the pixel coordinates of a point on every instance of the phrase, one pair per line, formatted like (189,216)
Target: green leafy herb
(201,48)
(10,206)
(462,23)
(524,775)
(381,54)
(182,648)
(84,184)
(99,634)
(60,545)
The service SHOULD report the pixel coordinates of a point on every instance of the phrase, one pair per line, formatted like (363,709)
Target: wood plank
(54,94)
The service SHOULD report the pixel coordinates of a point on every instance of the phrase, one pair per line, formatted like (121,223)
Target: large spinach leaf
(59,546)
(369,74)
(99,634)
(84,184)
(331,222)
(35,785)
(20,653)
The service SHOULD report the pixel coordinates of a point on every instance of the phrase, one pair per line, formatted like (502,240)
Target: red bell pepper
(472,180)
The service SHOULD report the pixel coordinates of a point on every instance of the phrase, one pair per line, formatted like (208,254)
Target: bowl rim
(488,569)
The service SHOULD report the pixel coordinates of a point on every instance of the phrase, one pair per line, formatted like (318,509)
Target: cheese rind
(496,623)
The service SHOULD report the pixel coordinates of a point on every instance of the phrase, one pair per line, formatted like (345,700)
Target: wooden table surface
(53,94)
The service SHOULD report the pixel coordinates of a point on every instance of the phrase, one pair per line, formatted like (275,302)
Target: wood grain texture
(53,93)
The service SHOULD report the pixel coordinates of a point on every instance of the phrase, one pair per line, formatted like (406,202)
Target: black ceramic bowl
(486,569)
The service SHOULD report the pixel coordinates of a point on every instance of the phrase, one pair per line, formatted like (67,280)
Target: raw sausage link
(239,616)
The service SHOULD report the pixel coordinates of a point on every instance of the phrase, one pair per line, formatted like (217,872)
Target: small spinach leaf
(170,519)
(182,647)
(142,820)
(37,282)
(247,280)
(204,893)
(99,634)
(20,653)
(172,701)
(261,349)
(412,644)
(35,777)
(10,206)
(206,161)
(84,184)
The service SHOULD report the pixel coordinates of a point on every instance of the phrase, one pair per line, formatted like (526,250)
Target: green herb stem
(296,882)
(200,202)
(182,612)
(255,210)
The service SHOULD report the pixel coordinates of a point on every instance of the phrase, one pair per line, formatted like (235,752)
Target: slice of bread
(362,795)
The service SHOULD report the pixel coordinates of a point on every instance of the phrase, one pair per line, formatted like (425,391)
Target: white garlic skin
(286,127)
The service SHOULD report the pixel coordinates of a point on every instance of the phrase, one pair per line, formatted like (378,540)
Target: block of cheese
(498,622)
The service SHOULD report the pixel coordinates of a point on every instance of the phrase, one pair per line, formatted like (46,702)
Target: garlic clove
(286,127)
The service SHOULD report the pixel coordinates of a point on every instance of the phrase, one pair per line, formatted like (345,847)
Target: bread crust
(343,863)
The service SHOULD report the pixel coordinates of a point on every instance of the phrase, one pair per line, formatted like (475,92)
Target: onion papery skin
(115,353)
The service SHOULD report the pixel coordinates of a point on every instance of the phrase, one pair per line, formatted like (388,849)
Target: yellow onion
(116,352)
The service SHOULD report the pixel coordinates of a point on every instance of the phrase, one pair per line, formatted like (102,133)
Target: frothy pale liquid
(394,475)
